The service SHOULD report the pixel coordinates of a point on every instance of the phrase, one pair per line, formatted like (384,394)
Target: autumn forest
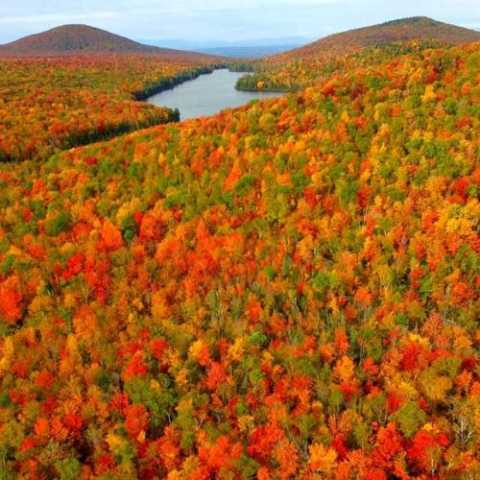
(285,290)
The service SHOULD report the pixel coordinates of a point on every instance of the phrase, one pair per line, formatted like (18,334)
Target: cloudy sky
(223,20)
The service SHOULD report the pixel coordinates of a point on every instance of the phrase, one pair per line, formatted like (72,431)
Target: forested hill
(74,39)
(289,290)
(406,29)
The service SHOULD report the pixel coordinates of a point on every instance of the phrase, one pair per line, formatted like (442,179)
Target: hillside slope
(53,103)
(290,290)
(401,30)
(303,66)
(74,39)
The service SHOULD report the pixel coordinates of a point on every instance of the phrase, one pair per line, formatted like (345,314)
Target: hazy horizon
(216,22)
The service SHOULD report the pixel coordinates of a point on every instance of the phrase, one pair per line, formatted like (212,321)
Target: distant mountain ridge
(251,48)
(405,29)
(252,52)
(78,39)
(75,39)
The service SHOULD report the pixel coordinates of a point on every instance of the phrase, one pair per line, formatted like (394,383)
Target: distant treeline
(259,82)
(242,67)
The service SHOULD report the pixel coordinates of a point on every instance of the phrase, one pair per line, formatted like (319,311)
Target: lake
(207,95)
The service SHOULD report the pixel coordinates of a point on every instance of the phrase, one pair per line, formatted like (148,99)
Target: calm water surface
(207,95)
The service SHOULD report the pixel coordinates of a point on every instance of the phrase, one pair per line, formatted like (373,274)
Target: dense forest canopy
(289,290)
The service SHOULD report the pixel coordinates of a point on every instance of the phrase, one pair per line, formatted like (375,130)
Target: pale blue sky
(223,20)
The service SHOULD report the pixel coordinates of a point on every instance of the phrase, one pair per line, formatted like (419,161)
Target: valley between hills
(285,290)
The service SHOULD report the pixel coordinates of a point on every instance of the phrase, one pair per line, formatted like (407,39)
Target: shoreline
(264,90)
(169,83)
(88,137)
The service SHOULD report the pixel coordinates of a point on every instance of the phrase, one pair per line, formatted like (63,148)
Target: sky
(224,21)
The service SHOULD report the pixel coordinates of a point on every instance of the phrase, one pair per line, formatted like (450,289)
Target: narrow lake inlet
(207,95)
